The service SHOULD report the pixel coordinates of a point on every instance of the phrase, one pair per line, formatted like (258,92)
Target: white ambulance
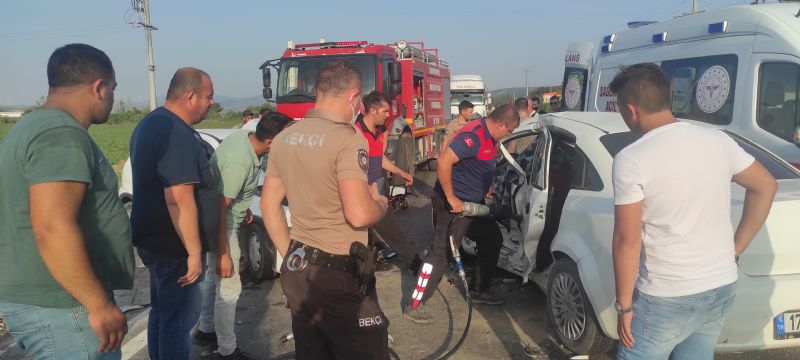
(736,67)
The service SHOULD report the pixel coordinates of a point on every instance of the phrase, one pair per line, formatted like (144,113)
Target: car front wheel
(570,313)
(258,253)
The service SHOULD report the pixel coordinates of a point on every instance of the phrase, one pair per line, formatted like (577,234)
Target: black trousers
(484,232)
(330,318)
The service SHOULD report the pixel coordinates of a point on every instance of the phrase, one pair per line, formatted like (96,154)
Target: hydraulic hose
(473,210)
(463,276)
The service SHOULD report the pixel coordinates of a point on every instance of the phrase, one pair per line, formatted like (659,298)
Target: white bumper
(749,325)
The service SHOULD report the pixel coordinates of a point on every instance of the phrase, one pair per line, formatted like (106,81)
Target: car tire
(570,313)
(402,202)
(258,253)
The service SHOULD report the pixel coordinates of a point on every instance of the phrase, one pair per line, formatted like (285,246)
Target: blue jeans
(53,334)
(174,310)
(220,296)
(678,328)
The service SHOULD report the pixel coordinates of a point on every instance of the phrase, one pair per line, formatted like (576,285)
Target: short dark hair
(76,64)
(264,112)
(374,100)
(644,85)
(535,98)
(247,113)
(521,104)
(271,125)
(554,97)
(337,77)
(465,105)
(185,80)
(506,114)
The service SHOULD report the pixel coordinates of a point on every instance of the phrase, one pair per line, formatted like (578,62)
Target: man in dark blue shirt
(465,171)
(176,213)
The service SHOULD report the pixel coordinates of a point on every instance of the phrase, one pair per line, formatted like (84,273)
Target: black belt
(301,255)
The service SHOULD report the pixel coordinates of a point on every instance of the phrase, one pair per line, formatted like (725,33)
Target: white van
(738,67)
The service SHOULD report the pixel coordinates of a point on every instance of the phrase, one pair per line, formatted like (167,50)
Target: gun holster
(365,258)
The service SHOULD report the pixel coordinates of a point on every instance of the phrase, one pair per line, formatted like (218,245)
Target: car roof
(218,133)
(606,122)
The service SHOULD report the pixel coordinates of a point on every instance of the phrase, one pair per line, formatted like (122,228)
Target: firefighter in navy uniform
(465,170)
(320,166)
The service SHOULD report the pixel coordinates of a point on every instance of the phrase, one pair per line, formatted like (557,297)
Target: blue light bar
(609,39)
(605,49)
(719,27)
(660,37)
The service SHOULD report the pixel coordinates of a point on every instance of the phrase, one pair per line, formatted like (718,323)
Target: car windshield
(297,76)
(476,98)
(614,143)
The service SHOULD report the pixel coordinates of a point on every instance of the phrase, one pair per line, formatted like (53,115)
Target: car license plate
(787,325)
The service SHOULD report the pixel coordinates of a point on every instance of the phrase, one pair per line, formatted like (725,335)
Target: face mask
(353,109)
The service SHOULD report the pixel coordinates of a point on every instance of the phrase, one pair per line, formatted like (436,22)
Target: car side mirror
(266,79)
(797,136)
(396,89)
(395,72)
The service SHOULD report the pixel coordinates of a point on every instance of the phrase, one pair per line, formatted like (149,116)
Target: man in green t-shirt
(235,164)
(65,239)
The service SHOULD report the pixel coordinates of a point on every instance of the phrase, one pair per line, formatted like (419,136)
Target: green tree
(256,108)
(42,99)
(215,111)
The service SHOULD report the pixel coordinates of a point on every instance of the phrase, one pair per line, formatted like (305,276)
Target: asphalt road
(516,330)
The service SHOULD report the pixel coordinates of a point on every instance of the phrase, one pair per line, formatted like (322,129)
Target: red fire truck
(413,76)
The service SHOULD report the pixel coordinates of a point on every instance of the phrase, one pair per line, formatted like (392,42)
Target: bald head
(190,95)
(337,78)
(507,115)
(185,80)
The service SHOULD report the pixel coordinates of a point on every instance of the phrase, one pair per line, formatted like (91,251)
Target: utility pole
(526,70)
(694,6)
(143,7)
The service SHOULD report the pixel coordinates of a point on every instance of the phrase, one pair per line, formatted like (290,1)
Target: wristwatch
(622,310)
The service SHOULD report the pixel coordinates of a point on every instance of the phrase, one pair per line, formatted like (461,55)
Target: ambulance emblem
(713,89)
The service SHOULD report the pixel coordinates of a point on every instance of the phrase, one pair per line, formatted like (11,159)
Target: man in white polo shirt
(673,237)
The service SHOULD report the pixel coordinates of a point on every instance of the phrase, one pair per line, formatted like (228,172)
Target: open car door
(526,189)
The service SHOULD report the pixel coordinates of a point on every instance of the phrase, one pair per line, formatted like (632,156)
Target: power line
(526,70)
(83,35)
(142,8)
(58,31)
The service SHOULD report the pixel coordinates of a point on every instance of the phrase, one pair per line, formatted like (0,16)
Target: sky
(230,39)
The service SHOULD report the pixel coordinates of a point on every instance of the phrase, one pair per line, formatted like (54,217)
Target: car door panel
(537,196)
(529,198)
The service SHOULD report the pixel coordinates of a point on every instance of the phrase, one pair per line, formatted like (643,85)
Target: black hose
(460,268)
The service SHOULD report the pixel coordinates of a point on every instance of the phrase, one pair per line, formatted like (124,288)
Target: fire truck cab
(416,81)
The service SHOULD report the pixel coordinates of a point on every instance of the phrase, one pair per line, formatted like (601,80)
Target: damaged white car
(554,203)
